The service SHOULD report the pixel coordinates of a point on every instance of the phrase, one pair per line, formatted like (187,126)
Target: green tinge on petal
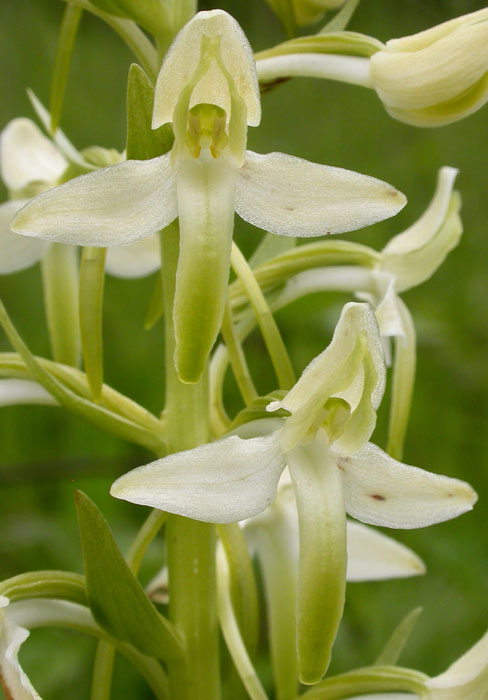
(323,558)
(414,267)
(184,56)
(206,212)
(339,371)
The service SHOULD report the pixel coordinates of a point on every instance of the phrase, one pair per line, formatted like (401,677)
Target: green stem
(59,268)
(237,358)
(144,537)
(269,329)
(134,37)
(92,280)
(375,679)
(102,671)
(67,35)
(190,544)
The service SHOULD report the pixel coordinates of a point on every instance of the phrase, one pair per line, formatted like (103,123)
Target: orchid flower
(208,89)
(429,79)
(466,678)
(273,537)
(334,469)
(30,164)
(15,683)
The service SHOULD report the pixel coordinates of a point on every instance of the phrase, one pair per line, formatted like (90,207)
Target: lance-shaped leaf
(322,560)
(118,602)
(381,491)
(143,142)
(16,684)
(222,482)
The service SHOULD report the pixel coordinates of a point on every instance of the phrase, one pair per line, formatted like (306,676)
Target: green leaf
(117,600)
(152,15)
(395,645)
(143,142)
(67,35)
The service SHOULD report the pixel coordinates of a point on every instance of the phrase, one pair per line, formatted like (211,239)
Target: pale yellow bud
(437,76)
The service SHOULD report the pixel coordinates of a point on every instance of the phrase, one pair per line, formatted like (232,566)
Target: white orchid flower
(465,679)
(274,538)
(429,79)
(208,88)
(409,259)
(30,164)
(15,683)
(15,392)
(334,469)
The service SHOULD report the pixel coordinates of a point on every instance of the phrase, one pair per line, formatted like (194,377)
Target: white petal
(467,677)
(425,228)
(183,58)
(372,556)
(111,206)
(293,197)
(26,155)
(385,696)
(352,368)
(16,252)
(23,391)
(133,260)
(439,73)
(347,69)
(381,491)
(16,684)
(221,482)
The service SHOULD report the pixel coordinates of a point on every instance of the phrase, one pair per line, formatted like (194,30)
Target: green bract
(208,88)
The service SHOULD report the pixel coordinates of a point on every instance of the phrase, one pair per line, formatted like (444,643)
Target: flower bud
(437,76)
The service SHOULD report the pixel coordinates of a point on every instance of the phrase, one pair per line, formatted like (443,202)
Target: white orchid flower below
(465,679)
(15,683)
(15,392)
(208,89)
(334,469)
(30,164)
(273,537)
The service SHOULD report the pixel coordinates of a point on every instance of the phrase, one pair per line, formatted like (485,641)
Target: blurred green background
(45,455)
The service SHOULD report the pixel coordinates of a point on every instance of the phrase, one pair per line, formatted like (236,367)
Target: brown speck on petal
(378,497)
